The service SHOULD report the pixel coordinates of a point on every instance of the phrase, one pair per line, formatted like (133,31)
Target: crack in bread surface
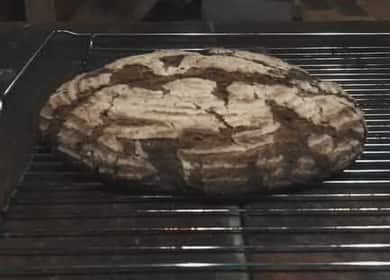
(176,119)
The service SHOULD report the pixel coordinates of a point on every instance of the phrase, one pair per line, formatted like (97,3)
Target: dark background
(198,10)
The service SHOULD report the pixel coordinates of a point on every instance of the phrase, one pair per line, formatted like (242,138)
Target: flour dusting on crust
(218,121)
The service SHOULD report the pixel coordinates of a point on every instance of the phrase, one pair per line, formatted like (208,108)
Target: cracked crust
(219,121)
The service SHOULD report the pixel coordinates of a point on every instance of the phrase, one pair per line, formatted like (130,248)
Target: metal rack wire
(63,222)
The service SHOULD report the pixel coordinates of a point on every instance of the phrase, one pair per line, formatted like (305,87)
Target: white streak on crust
(196,60)
(78,126)
(144,132)
(193,89)
(225,165)
(148,59)
(305,168)
(344,153)
(111,142)
(92,83)
(247,106)
(305,86)
(330,87)
(259,136)
(240,91)
(232,64)
(258,57)
(272,170)
(321,143)
(172,112)
(215,150)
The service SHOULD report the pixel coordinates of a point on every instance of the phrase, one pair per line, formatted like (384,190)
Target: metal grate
(64,223)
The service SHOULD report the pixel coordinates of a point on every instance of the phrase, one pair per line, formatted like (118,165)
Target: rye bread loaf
(217,121)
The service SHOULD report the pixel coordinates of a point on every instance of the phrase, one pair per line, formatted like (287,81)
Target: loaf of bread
(219,121)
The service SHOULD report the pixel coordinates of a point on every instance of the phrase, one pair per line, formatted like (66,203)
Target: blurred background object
(248,10)
(102,10)
(44,11)
(12,10)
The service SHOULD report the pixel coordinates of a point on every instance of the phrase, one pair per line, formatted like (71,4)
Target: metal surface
(63,223)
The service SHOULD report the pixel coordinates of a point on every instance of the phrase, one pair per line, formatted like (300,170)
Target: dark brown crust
(290,139)
(199,138)
(142,76)
(163,155)
(172,61)
(63,112)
